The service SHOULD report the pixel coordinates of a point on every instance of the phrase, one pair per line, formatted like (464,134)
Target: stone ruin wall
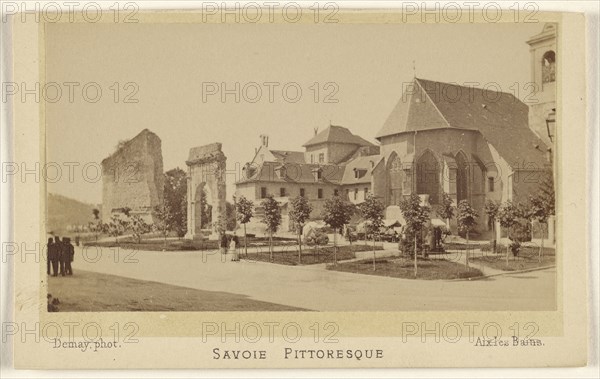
(133,177)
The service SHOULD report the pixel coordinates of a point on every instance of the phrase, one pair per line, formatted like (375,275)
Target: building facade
(318,173)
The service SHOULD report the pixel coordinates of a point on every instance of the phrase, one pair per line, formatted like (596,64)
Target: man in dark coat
(49,254)
(61,253)
(55,255)
(69,255)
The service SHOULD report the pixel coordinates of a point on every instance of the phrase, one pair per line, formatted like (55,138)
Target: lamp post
(551,129)
(551,124)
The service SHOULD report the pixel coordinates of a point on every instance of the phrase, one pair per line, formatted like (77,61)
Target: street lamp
(551,124)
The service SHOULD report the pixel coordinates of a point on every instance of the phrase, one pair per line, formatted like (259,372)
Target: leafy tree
(336,214)
(230,222)
(205,211)
(163,221)
(139,227)
(372,211)
(175,200)
(446,209)
(244,210)
(299,213)
(96,228)
(491,210)
(115,227)
(96,213)
(271,218)
(546,193)
(509,217)
(126,211)
(416,217)
(542,206)
(466,221)
(539,210)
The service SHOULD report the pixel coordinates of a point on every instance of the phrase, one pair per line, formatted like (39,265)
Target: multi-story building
(318,173)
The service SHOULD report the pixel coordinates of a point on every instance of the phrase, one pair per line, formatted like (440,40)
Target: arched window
(462,177)
(395,176)
(549,67)
(428,181)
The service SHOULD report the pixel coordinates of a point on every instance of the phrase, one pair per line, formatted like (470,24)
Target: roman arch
(206,186)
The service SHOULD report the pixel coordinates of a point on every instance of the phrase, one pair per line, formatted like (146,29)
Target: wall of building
(333,152)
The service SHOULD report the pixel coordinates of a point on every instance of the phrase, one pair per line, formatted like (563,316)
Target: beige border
(563,331)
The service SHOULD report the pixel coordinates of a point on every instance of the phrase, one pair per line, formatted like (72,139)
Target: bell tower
(543,76)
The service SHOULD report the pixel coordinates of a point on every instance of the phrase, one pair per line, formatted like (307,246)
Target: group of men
(60,255)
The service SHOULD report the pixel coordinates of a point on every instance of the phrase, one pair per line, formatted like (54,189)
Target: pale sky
(169,62)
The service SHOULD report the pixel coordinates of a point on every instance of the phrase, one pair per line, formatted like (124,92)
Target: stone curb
(502,273)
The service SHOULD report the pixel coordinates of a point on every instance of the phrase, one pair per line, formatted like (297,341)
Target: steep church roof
(500,117)
(337,134)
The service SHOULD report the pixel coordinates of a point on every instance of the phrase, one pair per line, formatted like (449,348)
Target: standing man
(55,256)
(62,255)
(49,254)
(70,254)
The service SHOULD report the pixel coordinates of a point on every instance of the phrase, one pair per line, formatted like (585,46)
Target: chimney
(264,139)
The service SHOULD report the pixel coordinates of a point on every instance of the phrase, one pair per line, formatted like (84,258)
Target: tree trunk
(335,247)
(373,251)
(415,255)
(467,257)
(300,246)
(542,244)
(493,236)
(271,245)
(245,241)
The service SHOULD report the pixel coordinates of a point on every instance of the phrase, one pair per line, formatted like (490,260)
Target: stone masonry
(132,177)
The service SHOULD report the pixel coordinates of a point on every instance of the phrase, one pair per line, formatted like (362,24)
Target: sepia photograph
(218,174)
(298,186)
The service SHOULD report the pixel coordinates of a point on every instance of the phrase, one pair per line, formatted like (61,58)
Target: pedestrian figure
(52,304)
(63,255)
(70,254)
(55,255)
(49,254)
(223,243)
(233,249)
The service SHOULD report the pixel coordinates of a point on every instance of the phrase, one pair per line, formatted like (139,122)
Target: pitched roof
(294,173)
(500,117)
(365,163)
(337,134)
(288,156)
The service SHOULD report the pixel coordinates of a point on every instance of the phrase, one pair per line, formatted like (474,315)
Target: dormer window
(318,173)
(280,172)
(358,173)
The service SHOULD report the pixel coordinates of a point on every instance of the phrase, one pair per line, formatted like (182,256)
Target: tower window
(355,193)
(490,184)
(302,192)
(335,192)
(321,157)
(263,192)
(282,192)
(549,67)
(320,193)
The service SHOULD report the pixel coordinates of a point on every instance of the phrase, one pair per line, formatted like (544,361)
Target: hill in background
(64,211)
